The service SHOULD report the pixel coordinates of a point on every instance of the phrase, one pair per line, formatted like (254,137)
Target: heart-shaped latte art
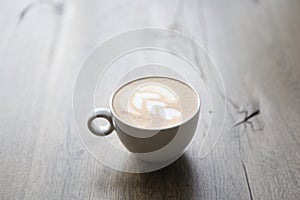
(155,101)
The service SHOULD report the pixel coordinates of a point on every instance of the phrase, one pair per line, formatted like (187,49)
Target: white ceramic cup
(149,144)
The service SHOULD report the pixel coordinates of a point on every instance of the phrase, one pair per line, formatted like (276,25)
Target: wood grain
(256,46)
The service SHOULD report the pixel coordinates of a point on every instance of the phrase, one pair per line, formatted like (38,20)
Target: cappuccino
(155,102)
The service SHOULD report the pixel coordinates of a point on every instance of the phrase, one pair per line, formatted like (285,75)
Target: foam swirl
(155,103)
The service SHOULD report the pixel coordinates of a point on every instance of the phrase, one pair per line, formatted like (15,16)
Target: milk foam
(155,102)
(156,99)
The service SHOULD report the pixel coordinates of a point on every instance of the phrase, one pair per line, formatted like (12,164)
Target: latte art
(155,102)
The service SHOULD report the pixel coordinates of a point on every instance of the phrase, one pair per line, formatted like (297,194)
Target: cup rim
(114,114)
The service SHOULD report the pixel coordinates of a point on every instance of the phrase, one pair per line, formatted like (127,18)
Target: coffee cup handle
(100,130)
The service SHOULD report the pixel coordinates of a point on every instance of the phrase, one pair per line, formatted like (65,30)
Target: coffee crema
(155,102)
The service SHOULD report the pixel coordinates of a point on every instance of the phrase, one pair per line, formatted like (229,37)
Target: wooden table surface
(256,45)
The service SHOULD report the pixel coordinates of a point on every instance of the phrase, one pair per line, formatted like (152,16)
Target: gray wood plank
(254,43)
(262,62)
(25,76)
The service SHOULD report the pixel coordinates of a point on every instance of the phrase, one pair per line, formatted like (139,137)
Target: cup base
(156,159)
